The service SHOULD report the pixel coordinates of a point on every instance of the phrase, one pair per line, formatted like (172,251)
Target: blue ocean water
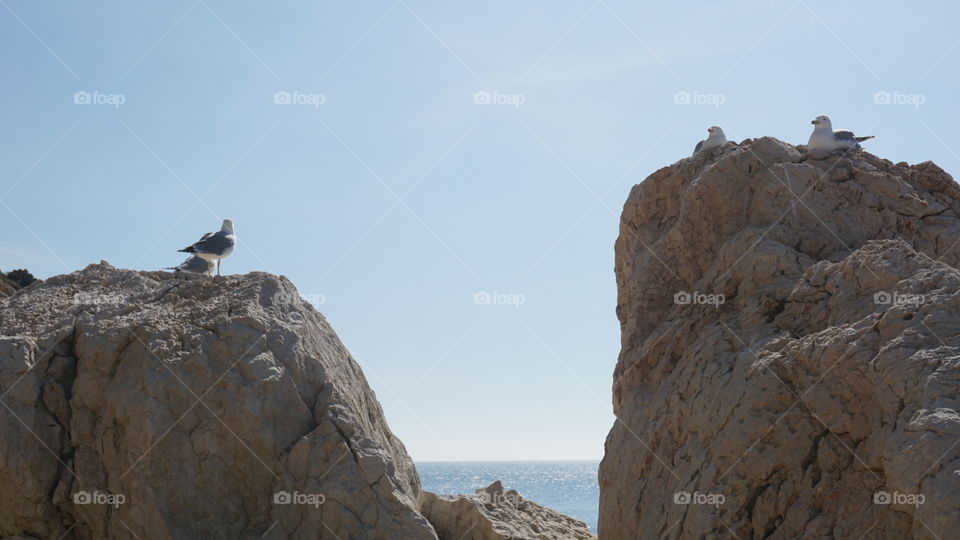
(569,487)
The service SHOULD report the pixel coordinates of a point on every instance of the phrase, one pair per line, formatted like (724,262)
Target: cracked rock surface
(160,405)
(790,354)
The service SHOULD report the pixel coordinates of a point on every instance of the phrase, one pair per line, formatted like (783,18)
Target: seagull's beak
(813,122)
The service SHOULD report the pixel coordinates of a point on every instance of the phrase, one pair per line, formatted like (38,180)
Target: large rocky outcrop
(492,514)
(790,362)
(159,405)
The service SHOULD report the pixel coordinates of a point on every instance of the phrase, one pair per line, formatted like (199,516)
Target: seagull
(193,265)
(716,138)
(215,246)
(825,139)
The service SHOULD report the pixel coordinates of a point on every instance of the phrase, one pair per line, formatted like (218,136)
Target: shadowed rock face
(193,408)
(790,357)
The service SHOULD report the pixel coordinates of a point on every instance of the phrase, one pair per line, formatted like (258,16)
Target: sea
(569,487)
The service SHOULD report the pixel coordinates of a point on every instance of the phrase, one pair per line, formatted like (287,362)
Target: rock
(7,288)
(160,405)
(789,361)
(491,514)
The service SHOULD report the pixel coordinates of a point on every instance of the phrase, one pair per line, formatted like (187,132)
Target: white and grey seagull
(825,139)
(715,139)
(215,246)
(193,265)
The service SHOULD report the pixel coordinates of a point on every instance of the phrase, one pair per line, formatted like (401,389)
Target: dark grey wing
(844,135)
(214,243)
(697,148)
(195,265)
(190,248)
(192,264)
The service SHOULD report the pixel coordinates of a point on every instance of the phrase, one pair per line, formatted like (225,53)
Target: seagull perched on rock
(215,246)
(193,265)
(825,139)
(716,138)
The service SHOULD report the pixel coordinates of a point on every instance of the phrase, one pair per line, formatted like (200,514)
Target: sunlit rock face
(789,364)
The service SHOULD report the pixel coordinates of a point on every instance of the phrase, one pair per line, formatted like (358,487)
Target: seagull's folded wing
(213,243)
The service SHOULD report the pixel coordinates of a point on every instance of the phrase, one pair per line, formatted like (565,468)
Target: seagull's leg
(218,267)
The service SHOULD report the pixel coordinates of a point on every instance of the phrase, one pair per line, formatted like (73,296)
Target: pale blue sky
(522,200)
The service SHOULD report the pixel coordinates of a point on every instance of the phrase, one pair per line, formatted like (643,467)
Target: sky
(442,179)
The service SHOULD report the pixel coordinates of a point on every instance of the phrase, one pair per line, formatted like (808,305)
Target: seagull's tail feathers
(861,139)
(188,249)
